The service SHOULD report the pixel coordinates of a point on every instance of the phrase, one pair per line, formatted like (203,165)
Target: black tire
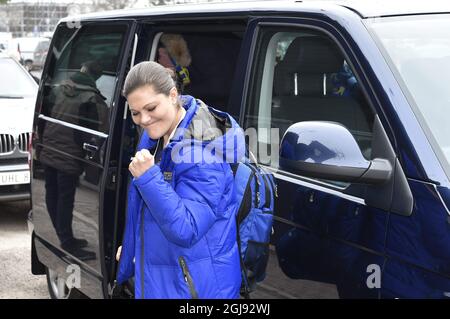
(57,288)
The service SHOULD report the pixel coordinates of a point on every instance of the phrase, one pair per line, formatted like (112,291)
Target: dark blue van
(346,103)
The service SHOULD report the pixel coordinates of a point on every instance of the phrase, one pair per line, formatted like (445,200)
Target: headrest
(304,85)
(306,67)
(313,55)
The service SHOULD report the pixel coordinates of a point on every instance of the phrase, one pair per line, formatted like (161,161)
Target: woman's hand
(141,162)
(119,252)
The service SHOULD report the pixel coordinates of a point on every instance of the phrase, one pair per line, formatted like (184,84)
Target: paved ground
(16,280)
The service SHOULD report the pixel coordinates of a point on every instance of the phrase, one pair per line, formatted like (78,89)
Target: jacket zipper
(187,277)
(142,252)
(142,261)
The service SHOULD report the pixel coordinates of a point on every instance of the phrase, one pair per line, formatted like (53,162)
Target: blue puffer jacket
(180,236)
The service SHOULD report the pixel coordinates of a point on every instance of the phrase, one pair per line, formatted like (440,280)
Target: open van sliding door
(75,162)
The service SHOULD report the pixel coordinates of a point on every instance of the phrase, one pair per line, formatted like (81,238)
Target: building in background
(32,19)
(37,18)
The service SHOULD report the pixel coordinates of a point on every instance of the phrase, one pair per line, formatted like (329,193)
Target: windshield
(14,82)
(418,50)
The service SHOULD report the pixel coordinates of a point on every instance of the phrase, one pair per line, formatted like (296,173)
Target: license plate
(13,178)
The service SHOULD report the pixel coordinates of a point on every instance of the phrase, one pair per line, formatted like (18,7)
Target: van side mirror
(328,150)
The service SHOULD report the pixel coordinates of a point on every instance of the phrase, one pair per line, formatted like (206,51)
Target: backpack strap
(269,191)
(243,177)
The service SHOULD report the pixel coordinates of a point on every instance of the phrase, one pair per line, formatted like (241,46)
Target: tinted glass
(82,76)
(418,49)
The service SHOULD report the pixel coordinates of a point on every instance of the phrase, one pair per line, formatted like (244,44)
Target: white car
(17,100)
(26,50)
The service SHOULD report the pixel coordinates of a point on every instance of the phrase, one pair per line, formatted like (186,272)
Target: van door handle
(90,147)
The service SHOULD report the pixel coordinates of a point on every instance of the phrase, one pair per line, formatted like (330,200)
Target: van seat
(303,90)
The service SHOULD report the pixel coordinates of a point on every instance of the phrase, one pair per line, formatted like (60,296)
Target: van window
(303,76)
(417,49)
(209,59)
(82,75)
